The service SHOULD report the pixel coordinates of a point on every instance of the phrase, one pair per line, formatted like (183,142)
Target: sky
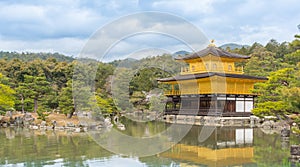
(65,26)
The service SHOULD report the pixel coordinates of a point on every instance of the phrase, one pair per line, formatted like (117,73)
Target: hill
(32,56)
(181,53)
(233,46)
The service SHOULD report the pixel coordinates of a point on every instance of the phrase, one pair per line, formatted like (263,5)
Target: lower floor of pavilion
(210,105)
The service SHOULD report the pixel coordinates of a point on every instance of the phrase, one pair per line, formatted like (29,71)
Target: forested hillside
(38,82)
(32,56)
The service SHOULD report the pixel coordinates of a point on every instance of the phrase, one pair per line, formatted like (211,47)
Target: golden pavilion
(211,83)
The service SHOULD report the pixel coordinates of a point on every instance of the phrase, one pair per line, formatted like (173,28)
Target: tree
(120,89)
(262,63)
(156,103)
(105,104)
(66,100)
(35,88)
(272,46)
(295,44)
(6,95)
(292,58)
(271,100)
(292,94)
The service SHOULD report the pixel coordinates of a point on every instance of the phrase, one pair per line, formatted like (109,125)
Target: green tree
(271,100)
(156,103)
(105,104)
(6,95)
(292,94)
(262,63)
(66,100)
(120,89)
(35,88)
(292,58)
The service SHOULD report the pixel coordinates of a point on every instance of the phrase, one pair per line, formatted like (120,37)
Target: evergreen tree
(271,100)
(35,88)
(6,95)
(66,100)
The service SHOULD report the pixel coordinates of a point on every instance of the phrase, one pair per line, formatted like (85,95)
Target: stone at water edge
(295,150)
(34,127)
(4,125)
(77,130)
(43,123)
(70,124)
(285,132)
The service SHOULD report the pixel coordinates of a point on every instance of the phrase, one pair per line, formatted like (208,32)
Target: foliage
(262,63)
(26,56)
(66,100)
(272,99)
(6,95)
(106,105)
(156,103)
(121,90)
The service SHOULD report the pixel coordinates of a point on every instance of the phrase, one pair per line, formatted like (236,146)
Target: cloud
(31,22)
(192,7)
(129,34)
(64,25)
(68,46)
(264,33)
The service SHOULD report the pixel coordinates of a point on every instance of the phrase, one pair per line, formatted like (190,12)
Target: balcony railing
(172,92)
(187,70)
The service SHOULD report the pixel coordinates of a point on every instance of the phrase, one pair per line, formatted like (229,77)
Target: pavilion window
(214,67)
(221,104)
(207,66)
(193,68)
(229,67)
(230,106)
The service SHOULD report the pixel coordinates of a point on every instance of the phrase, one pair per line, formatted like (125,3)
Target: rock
(77,130)
(285,132)
(43,123)
(34,127)
(267,124)
(83,124)
(19,121)
(8,114)
(28,119)
(4,125)
(295,150)
(107,122)
(121,127)
(27,115)
(70,124)
(59,128)
(49,128)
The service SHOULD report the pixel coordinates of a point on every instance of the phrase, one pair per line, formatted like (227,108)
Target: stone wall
(211,120)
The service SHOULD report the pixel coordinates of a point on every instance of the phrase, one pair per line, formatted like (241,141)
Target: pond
(225,146)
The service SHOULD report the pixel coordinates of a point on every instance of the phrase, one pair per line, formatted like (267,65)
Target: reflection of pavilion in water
(224,147)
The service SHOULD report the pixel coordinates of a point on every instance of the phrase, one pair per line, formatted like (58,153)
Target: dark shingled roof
(214,51)
(208,74)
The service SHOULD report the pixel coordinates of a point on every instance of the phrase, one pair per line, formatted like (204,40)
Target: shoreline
(60,122)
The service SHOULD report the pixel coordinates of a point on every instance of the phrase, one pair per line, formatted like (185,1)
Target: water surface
(226,146)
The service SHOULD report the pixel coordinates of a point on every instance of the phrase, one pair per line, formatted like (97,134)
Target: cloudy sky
(65,26)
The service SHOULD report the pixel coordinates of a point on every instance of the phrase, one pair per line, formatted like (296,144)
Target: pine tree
(6,95)
(66,100)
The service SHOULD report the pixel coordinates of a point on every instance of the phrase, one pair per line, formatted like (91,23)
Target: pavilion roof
(208,74)
(212,49)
